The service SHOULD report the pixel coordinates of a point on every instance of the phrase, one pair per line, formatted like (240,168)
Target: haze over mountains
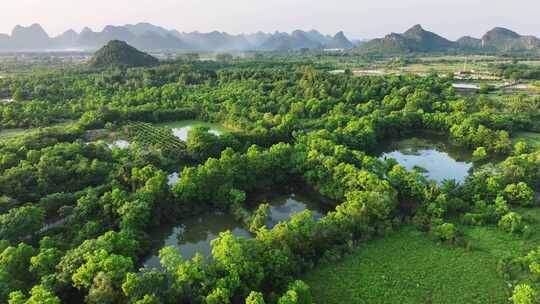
(419,40)
(149,37)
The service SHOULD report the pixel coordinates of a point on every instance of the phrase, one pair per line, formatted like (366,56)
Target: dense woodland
(296,124)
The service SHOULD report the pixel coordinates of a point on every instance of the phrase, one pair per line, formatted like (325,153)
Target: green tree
(511,222)
(255,298)
(523,294)
(21,222)
(137,286)
(202,144)
(445,232)
(519,194)
(298,293)
(38,295)
(479,154)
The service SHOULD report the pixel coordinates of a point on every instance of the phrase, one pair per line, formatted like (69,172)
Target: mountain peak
(339,41)
(34,28)
(502,39)
(501,32)
(32,37)
(339,34)
(415,30)
(415,39)
(118,53)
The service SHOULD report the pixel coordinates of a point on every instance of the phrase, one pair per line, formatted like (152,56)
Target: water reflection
(121,144)
(283,207)
(194,235)
(433,157)
(173,179)
(181,129)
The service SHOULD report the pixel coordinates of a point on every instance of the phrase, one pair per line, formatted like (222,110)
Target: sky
(360,19)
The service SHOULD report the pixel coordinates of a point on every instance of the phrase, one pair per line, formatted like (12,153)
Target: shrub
(259,217)
(519,194)
(507,267)
(445,232)
(298,293)
(511,222)
(501,206)
(255,298)
(479,154)
(532,261)
(523,294)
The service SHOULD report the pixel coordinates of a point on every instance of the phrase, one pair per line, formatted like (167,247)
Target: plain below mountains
(149,37)
(418,40)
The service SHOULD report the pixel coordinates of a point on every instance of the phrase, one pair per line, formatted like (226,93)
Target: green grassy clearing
(408,267)
(7,133)
(500,244)
(531,138)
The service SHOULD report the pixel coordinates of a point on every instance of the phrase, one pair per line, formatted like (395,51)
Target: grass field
(499,244)
(7,133)
(530,138)
(408,267)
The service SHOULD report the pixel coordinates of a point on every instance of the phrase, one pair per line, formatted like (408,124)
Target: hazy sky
(358,18)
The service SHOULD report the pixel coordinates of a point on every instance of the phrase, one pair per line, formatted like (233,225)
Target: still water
(432,155)
(181,129)
(283,207)
(194,235)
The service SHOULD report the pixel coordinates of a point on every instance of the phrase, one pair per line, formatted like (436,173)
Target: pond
(180,129)
(282,207)
(194,235)
(120,143)
(432,155)
(173,178)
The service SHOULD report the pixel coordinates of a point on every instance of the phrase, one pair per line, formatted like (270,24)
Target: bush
(519,194)
(501,206)
(532,261)
(473,219)
(259,217)
(521,148)
(445,232)
(255,298)
(479,154)
(523,294)
(507,267)
(511,222)
(298,293)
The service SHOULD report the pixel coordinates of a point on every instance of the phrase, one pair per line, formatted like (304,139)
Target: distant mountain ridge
(418,40)
(339,41)
(149,37)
